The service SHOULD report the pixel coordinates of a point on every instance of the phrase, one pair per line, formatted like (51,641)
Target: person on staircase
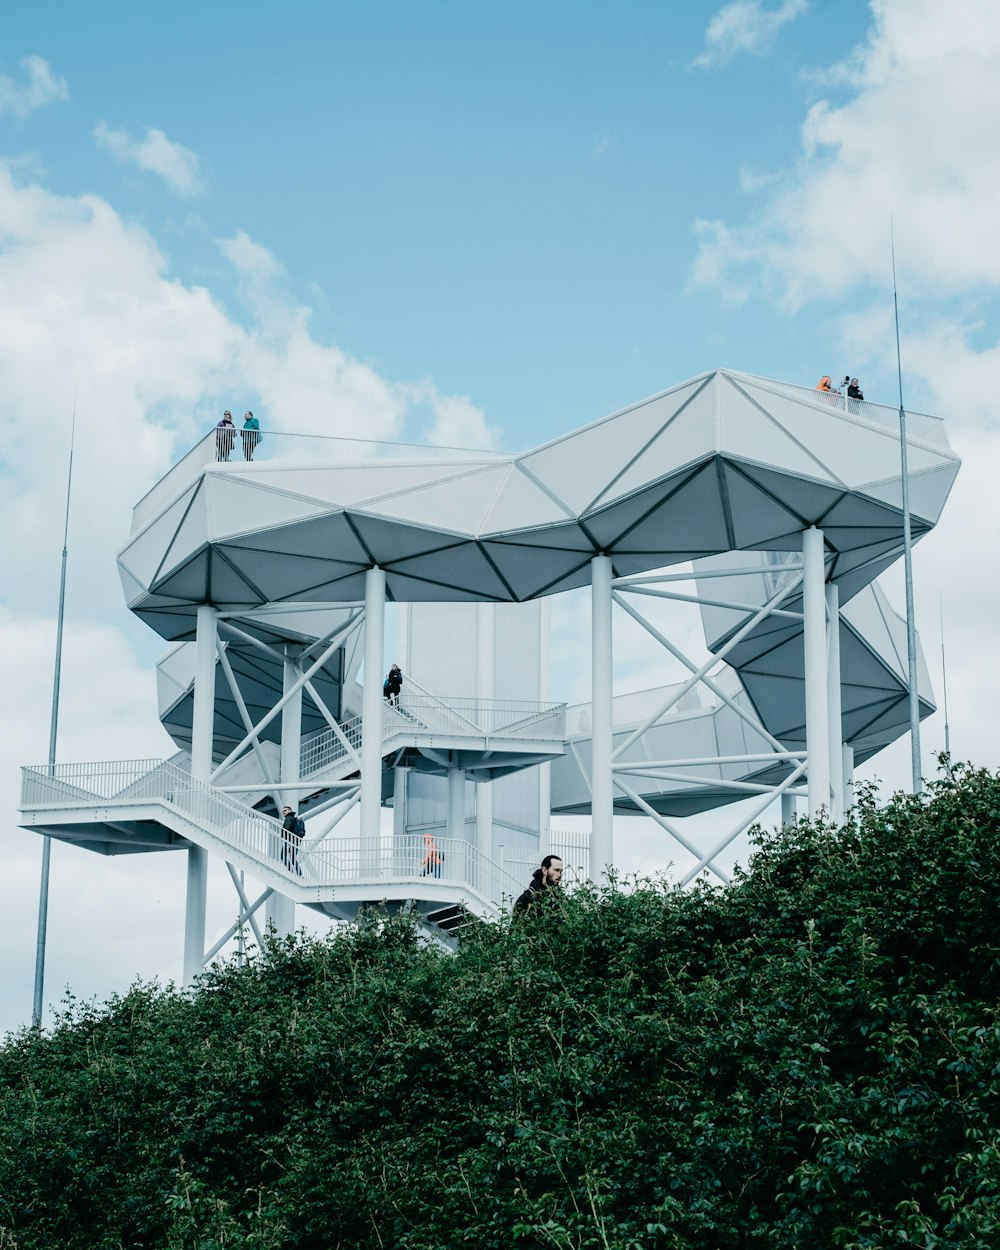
(544,888)
(433,859)
(392,685)
(292,832)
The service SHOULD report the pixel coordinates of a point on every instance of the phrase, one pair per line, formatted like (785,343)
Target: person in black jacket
(544,885)
(292,832)
(392,685)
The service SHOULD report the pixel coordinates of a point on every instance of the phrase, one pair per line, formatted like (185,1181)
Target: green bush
(808,1058)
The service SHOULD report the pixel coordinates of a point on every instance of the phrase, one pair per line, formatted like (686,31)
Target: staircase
(335,874)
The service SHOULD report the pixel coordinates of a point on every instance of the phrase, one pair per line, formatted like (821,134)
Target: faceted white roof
(722,462)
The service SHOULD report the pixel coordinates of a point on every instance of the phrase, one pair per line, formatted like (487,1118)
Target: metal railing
(446,861)
(918,424)
(230,447)
(423,717)
(333,861)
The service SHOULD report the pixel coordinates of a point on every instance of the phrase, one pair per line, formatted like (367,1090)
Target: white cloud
(914,141)
(89,302)
(746,26)
(41,86)
(251,260)
(177,165)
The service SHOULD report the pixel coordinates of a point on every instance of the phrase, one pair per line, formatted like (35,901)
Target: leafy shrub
(807,1058)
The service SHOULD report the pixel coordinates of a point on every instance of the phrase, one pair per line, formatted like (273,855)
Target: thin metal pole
(911,629)
(602,691)
(43,892)
(944,686)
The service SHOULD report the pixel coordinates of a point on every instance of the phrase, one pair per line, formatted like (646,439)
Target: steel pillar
(814,633)
(602,688)
(371,709)
(787,808)
(202,742)
(456,803)
(544,693)
(280,910)
(485,688)
(833,698)
(848,767)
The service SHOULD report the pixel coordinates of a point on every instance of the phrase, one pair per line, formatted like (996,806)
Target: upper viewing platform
(724,461)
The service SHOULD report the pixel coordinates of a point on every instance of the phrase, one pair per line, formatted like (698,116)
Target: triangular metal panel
(189,582)
(388,542)
(691,519)
(928,491)
(347,589)
(803,498)
(280,576)
(528,569)
(463,568)
(329,535)
(239,505)
(227,586)
(756,516)
(607,523)
(762,437)
(131,586)
(567,537)
(458,505)
(854,511)
(667,433)
(192,532)
(144,553)
(520,503)
(345,486)
(578,467)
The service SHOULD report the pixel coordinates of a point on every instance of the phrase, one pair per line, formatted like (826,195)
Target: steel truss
(825,763)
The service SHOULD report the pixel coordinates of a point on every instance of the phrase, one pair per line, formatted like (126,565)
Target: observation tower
(773,507)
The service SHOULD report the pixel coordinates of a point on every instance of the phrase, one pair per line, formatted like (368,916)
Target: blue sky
(501,197)
(482,224)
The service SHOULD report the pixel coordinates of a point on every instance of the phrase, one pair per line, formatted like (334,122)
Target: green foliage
(807,1059)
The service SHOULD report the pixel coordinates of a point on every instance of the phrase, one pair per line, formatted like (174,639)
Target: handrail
(276,446)
(919,424)
(414,718)
(329,861)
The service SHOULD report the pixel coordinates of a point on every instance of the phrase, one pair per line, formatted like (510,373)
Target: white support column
(787,808)
(280,911)
(485,689)
(834,710)
(602,687)
(202,739)
(814,631)
(544,694)
(371,710)
(456,803)
(848,767)
(400,774)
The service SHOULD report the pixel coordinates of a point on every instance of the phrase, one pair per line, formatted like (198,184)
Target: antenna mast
(911,631)
(43,894)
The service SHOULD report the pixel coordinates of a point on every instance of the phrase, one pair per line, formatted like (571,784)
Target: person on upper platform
(854,390)
(826,384)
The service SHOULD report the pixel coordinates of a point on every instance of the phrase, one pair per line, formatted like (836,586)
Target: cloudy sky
(480,225)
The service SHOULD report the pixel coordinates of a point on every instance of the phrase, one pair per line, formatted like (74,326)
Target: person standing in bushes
(544,886)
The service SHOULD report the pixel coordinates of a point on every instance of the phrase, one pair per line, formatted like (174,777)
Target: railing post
(602,686)
(814,634)
(202,742)
(371,712)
